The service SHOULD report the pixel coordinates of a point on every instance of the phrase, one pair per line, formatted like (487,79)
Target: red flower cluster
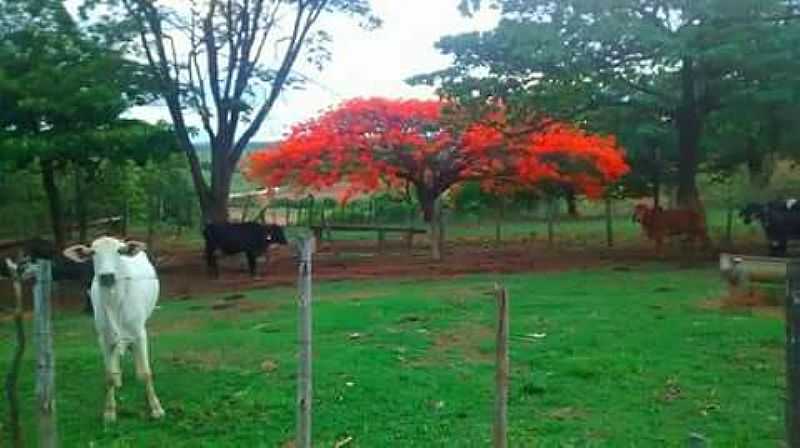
(373,143)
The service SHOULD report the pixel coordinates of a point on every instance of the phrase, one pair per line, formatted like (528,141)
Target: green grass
(628,359)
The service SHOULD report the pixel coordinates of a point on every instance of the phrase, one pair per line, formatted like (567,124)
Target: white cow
(124,292)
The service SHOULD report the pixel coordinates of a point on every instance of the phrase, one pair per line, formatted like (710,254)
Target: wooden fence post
(45,358)
(498,223)
(502,370)
(609,222)
(12,376)
(305,249)
(793,353)
(551,217)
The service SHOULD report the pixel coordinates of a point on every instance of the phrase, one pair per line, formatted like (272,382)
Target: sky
(368,63)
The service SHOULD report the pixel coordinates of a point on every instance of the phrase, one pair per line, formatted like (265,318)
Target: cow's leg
(251,262)
(782,246)
(775,248)
(143,372)
(211,260)
(111,353)
(266,261)
(659,245)
(88,308)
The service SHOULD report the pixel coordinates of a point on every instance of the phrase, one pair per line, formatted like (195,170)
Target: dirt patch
(185,274)
(465,340)
(755,302)
(567,413)
(184,325)
(183,271)
(206,360)
(354,296)
(241,306)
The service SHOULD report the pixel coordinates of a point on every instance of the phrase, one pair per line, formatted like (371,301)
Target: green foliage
(110,189)
(63,93)
(660,74)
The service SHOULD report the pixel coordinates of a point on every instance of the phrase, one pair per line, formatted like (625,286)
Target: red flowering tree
(373,143)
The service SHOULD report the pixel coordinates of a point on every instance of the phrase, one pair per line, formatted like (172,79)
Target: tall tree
(677,58)
(227,61)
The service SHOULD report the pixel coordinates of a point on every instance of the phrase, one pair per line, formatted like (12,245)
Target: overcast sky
(369,63)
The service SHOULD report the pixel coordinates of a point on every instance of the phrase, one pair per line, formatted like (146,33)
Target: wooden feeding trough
(744,272)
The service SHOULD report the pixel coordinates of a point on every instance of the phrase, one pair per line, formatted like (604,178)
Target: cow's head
(21,269)
(752,211)
(275,234)
(105,254)
(640,212)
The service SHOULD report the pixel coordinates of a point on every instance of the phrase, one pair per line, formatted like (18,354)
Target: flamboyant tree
(375,143)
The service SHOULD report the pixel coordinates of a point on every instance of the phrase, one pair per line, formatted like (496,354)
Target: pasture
(614,355)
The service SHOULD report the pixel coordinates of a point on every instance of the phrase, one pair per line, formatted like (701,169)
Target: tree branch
(299,33)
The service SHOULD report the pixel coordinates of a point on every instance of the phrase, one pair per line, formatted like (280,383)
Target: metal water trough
(741,271)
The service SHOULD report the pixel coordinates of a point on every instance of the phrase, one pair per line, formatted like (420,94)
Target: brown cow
(659,224)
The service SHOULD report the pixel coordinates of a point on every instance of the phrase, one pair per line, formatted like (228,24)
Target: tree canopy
(374,143)
(62,94)
(675,61)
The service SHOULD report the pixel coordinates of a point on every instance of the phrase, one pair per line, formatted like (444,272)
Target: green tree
(62,94)
(226,75)
(679,60)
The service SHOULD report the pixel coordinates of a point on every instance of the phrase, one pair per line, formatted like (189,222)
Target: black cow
(232,238)
(780,220)
(62,267)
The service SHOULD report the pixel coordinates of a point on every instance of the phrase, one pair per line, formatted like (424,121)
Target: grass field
(620,358)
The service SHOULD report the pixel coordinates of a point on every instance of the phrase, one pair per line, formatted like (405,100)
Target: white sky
(368,63)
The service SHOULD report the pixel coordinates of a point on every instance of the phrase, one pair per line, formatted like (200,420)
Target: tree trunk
(729,203)
(759,169)
(431,212)
(54,203)
(551,217)
(435,221)
(153,221)
(126,216)
(657,178)
(609,222)
(310,211)
(80,206)
(572,202)
(215,205)
(216,210)
(657,193)
(689,122)
(498,225)
(442,226)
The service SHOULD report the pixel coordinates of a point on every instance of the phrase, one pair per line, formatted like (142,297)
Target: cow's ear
(78,253)
(8,269)
(132,248)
